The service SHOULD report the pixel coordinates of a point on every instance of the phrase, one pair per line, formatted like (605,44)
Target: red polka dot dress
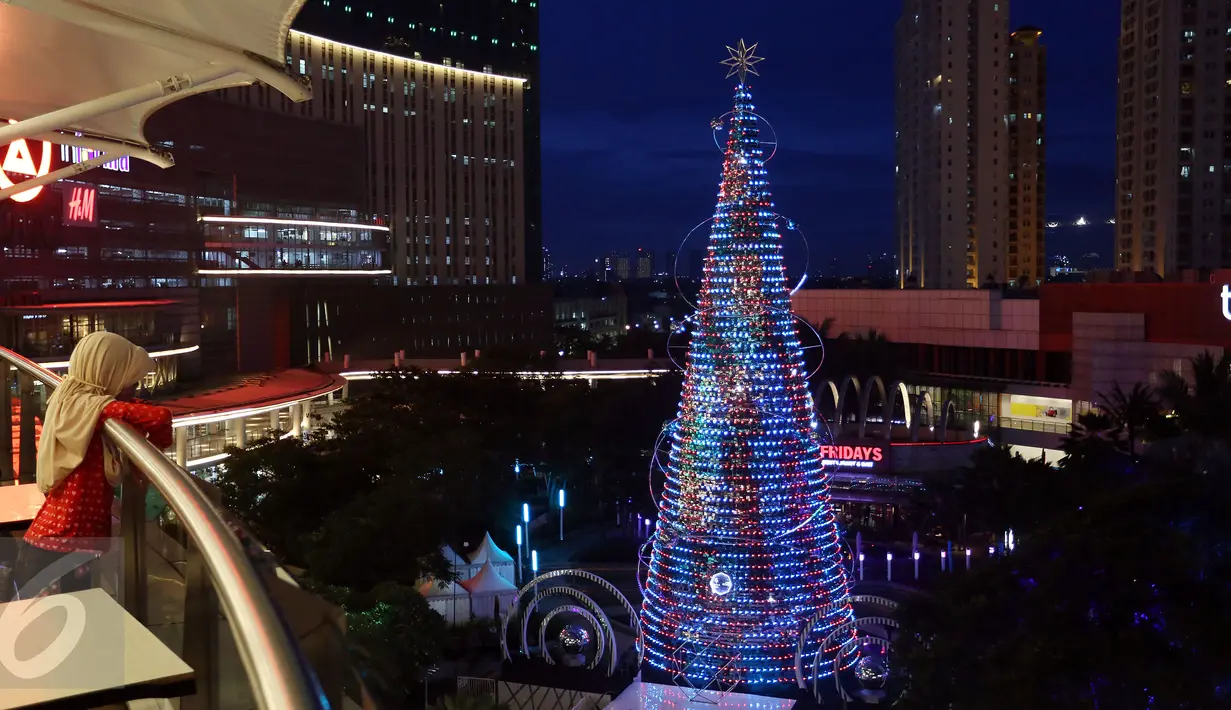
(78,510)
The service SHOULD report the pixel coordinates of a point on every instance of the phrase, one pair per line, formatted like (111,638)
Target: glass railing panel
(163,566)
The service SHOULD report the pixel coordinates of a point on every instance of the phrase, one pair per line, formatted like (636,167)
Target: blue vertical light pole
(520,573)
(525,518)
(534,568)
(560,500)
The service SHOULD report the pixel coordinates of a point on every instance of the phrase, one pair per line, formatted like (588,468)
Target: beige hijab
(101,366)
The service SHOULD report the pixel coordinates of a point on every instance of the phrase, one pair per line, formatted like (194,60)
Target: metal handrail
(271,658)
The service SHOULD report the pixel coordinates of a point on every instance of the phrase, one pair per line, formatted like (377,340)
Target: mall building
(1024,364)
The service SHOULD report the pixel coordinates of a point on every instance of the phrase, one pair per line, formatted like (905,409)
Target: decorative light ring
(675,268)
(584,599)
(515,605)
(717,125)
(853,625)
(827,610)
(837,677)
(584,613)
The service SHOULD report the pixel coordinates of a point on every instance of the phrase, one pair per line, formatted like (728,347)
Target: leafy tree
(394,637)
(1096,442)
(1116,594)
(1204,408)
(1117,605)
(1133,412)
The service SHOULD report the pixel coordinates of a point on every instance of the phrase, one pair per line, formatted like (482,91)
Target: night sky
(629,89)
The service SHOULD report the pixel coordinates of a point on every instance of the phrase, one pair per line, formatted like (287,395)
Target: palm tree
(1203,408)
(1095,438)
(1133,411)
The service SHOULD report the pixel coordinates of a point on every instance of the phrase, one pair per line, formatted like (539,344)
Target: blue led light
(745,510)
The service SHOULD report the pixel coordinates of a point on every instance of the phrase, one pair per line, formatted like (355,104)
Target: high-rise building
(645,264)
(1173,177)
(1026,257)
(444,156)
(491,36)
(548,267)
(952,142)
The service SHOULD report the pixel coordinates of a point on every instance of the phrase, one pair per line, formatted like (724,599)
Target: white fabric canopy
(487,550)
(450,601)
(489,592)
(455,560)
(436,588)
(488,581)
(102,67)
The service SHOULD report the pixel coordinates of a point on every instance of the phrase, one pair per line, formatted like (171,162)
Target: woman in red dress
(77,469)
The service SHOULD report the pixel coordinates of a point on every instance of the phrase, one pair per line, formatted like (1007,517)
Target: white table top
(104,651)
(19,503)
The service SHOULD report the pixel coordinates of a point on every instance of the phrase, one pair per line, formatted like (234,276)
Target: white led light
(293,272)
(292,222)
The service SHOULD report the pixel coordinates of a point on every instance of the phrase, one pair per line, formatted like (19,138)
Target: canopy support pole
(112,102)
(160,158)
(71,170)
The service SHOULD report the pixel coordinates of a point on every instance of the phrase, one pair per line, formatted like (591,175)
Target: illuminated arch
(851,625)
(634,619)
(843,393)
(865,400)
(924,405)
(607,634)
(584,613)
(897,391)
(947,410)
(820,615)
(833,392)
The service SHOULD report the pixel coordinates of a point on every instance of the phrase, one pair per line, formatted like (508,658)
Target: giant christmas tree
(747,545)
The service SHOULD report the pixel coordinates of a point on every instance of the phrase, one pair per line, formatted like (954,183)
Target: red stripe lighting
(91,304)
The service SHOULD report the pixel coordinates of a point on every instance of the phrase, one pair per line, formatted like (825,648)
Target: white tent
(97,69)
(499,559)
(450,600)
(455,560)
(490,594)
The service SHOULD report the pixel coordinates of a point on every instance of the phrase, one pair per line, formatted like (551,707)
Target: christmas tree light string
(747,547)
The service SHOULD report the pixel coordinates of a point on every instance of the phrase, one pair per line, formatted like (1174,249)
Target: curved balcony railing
(251,638)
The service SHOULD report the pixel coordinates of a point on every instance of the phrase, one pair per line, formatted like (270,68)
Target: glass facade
(41,335)
(291,244)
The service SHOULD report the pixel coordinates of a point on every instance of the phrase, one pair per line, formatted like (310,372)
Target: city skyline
(629,164)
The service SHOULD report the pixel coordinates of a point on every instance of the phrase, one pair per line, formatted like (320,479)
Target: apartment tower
(952,142)
(1173,177)
(1025,262)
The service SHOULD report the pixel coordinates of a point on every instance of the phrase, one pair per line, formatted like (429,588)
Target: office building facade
(952,143)
(444,156)
(1173,178)
(1025,260)
(492,36)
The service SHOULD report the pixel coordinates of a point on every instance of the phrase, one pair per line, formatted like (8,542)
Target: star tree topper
(742,61)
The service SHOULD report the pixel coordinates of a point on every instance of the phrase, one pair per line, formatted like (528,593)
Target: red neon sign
(853,453)
(20,161)
(79,205)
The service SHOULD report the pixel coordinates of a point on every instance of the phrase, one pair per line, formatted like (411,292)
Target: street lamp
(525,518)
(560,500)
(534,567)
(519,567)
